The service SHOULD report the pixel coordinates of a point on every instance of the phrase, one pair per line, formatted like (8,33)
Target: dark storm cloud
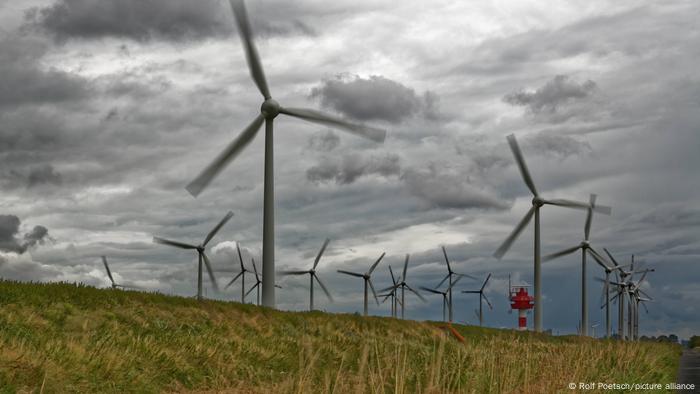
(44,174)
(139,20)
(374,98)
(24,81)
(146,20)
(555,93)
(349,167)
(9,229)
(444,189)
(324,141)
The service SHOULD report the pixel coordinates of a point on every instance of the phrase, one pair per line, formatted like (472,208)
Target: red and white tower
(520,300)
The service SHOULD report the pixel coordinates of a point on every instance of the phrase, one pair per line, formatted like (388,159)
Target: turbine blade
(251,53)
(216,229)
(240,258)
(561,253)
(351,273)
(233,280)
(603,209)
(561,202)
(226,156)
(599,259)
(454,283)
(393,279)
(514,234)
(251,289)
(293,272)
(376,263)
(374,134)
(323,287)
(207,263)
(389,288)
(521,163)
(487,301)
(471,291)
(374,292)
(109,273)
(442,281)
(645,294)
(255,269)
(430,290)
(589,217)
(444,252)
(467,275)
(320,252)
(176,244)
(405,268)
(416,293)
(611,257)
(485,282)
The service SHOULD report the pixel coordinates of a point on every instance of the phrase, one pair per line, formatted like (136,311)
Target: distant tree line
(694,341)
(672,338)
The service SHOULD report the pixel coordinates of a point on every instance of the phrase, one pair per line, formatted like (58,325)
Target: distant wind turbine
(446,299)
(367,280)
(116,285)
(241,275)
(482,297)
(586,248)
(312,275)
(449,276)
(200,253)
(401,283)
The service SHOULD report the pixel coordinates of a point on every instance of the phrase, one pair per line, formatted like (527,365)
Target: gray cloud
(153,20)
(556,145)
(9,228)
(349,167)
(25,82)
(375,98)
(555,93)
(324,141)
(446,189)
(43,174)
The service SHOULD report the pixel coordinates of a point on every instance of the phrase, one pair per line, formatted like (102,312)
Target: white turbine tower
(537,203)
(268,112)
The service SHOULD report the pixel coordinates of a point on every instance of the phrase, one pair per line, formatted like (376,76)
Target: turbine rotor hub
(270,108)
(200,248)
(585,244)
(537,201)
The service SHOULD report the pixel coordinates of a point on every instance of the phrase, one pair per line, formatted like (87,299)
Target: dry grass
(58,338)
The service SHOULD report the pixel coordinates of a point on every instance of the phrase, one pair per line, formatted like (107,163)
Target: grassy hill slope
(57,338)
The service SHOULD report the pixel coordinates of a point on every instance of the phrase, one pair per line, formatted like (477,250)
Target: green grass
(59,338)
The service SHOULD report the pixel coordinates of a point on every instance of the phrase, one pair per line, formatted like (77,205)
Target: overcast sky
(109,108)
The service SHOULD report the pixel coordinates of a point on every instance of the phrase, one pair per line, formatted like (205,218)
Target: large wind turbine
(268,111)
(585,247)
(392,294)
(367,280)
(241,275)
(482,296)
(446,299)
(537,203)
(401,283)
(116,285)
(200,253)
(449,276)
(312,275)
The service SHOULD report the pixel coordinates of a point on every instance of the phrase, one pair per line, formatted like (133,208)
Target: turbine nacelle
(270,108)
(585,244)
(538,201)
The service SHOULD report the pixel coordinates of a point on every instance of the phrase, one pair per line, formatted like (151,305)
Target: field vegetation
(61,338)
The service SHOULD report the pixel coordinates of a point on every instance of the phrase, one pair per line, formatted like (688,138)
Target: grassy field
(58,338)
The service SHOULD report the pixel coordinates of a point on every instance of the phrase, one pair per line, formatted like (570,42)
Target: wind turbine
(268,111)
(482,296)
(258,281)
(585,247)
(312,275)
(537,203)
(446,299)
(401,283)
(392,294)
(449,276)
(115,285)
(241,275)
(200,253)
(367,280)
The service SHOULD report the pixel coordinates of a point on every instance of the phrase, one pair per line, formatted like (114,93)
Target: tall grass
(58,338)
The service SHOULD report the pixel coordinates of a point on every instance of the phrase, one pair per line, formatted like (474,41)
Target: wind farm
(128,145)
